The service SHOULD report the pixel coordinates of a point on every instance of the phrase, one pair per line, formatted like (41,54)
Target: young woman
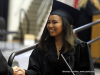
(57,39)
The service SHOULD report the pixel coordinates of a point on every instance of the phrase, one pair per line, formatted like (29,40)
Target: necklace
(58,58)
(58,55)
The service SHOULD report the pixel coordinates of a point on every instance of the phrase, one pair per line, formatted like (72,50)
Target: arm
(3,65)
(34,63)
(33,67)
(4,68)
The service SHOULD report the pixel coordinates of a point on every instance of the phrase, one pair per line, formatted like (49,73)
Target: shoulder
(81,47)
(80,44)
(36,51)
(77,41)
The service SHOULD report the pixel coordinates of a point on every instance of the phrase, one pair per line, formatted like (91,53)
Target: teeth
(51,30)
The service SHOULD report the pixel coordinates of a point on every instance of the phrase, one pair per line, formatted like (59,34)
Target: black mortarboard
(66,11)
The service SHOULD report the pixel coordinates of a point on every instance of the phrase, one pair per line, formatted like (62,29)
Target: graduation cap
(69,13)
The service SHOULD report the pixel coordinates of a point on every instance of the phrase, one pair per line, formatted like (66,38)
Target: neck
(58,39)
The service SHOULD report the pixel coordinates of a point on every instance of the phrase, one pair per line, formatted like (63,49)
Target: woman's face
(54,25)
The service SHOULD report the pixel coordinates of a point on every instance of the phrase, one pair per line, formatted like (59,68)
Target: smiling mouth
(51,30)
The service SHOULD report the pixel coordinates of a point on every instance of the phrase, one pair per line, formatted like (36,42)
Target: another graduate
(5,69)
(57,39)
(3,65)
(88,8)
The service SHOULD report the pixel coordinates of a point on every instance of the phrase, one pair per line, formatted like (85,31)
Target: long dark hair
(68,39)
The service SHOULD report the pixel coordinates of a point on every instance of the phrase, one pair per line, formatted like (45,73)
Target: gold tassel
(58,58)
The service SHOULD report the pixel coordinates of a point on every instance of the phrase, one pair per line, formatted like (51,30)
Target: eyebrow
(52,20)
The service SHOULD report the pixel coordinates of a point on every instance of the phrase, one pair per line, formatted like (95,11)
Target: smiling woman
(57,39)
(58,27)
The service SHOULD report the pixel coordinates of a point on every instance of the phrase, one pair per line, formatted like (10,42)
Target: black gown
(3,65)
(79,59)
(5,69)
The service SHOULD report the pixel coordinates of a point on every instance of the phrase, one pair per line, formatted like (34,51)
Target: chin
(52,35)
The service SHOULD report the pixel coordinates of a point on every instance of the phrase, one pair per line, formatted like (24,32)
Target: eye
(55,22)
(48,22)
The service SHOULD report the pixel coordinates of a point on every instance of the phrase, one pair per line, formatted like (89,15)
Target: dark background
(4,10)
(4,5)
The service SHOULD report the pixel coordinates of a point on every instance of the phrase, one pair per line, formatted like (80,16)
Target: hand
(18,71)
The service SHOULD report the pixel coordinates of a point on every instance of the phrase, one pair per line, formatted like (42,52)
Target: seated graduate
(57,39)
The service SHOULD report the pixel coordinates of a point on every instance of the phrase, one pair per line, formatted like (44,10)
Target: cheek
(60,28)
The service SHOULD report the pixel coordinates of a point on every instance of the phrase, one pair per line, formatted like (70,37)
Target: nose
(50,25)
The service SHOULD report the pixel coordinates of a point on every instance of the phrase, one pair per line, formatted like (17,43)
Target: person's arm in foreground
(33,67)
(3,65)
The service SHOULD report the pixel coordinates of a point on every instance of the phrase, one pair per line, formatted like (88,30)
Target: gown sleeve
(3,65)
(34,63)
(4,68)
(33,68)
(84,61)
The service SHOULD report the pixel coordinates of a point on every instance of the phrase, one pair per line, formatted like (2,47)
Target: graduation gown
(79,59)
(3,65)
(5,69)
